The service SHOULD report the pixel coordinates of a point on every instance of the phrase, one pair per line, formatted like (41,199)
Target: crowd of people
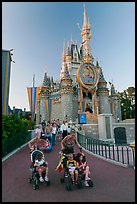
(68,142)
(53,128)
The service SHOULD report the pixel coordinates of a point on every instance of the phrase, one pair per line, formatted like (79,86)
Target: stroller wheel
(68,187)
(62,180)
(48,183)
(30,180)
(90,183)
(35,187)
(79,184)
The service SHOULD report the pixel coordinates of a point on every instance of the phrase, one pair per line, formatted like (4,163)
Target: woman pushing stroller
(68,143)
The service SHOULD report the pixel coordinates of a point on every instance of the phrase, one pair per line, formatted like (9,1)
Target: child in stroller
(83,169)
(47,141)
(68,165)
(39,168)
(72,168)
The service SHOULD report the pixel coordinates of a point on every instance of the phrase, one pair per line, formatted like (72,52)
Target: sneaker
(87,178)
(73,182)
(76,183)
(86,183)
(46,178)
(41,179)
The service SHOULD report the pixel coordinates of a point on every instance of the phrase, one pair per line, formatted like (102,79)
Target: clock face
(87,76)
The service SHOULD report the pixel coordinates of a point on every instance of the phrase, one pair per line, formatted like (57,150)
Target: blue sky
(37,30)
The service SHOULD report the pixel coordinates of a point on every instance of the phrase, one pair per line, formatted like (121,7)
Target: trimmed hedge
(14,133)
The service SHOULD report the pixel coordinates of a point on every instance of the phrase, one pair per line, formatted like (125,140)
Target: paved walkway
(112,183)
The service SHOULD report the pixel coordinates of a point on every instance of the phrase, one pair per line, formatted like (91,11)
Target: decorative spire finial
(85,19)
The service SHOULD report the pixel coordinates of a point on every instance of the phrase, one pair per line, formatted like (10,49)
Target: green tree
(127,104)
(14,133)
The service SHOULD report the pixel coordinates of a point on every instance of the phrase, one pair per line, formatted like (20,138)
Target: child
(33,146)
(83,167)
(41,166)
(47,143)
(72,167)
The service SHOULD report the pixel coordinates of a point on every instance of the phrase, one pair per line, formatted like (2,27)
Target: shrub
(14,133)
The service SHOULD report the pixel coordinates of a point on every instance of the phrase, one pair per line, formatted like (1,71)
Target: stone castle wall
(56,111)
(91,130)
(67,106)
(75,107)
(130,130)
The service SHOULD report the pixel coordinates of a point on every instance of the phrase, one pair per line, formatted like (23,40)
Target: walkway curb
(13,152)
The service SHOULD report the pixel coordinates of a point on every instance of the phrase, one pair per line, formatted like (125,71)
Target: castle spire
(63,59)
(71,41)
(85,19)
(86,35)
(64,51)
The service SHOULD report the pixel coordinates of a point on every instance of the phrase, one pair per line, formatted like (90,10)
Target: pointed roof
(46,80)
(64,51)
(113,91)
(68,51)
(85,19)
(65,74)
(97,64)
(101,76)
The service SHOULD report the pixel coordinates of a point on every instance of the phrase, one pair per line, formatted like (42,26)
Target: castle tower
(66,96)
(63,60)
(45,91)
(75,62)
(68,58)
(103,94)
(85,45)
(87,74)
(115,103)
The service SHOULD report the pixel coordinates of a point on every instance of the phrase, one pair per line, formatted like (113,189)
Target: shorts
(68,150)
(42,168)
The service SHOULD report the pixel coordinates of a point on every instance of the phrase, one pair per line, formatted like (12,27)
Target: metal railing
(121,153)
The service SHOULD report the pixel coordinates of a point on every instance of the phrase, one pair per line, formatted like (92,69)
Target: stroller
(35,176)
(67,177)
(81,175)
(48,138)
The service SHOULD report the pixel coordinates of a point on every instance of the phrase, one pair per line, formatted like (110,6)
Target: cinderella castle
(82,87)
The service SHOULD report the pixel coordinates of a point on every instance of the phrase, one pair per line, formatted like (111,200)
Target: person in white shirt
(69,130)
(54,131)
(64,129)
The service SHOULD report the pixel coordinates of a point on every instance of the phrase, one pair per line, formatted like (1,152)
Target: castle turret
(115,103)
(68,59)
(103,94)
(44,94)
(63,58)
(66,96)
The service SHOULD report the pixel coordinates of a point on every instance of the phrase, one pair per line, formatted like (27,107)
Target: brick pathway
(112,183)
